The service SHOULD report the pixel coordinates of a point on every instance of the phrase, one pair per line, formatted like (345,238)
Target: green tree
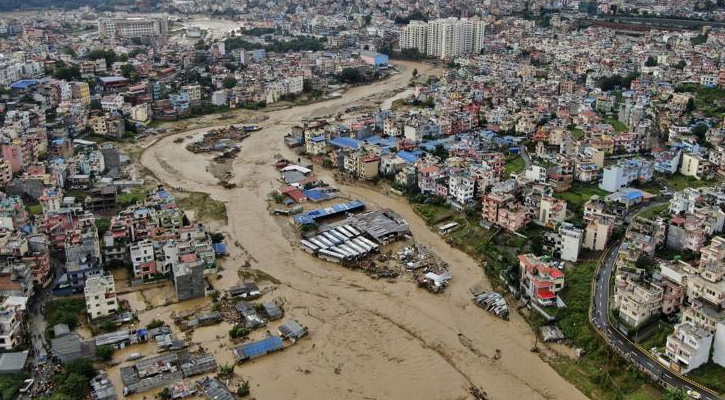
(415,72)
(651,62)
(127,70)
(102,225)
(105,353)
(229,82)
(351,75)
(156,323)
(165,394)
(243,391)
(67,73)
(74,384)
(675,394)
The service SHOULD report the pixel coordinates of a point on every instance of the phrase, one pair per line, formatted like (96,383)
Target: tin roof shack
(103,387)
(189,280)
(214,389)
(121,339)
(13,363)
(249,291)
(197,364)
(259,348)
(384,226)
(151,373)
(292,330)
(206,319)
(272,311)
(252,319)
(66,345)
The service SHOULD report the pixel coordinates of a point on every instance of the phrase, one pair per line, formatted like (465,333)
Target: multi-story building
(625,172)
(142,258)
(132,27)
(10,327)
(696,166)
(189,280)
(565,243)
(503,210)
(598,232)
(688,347)
(637,302)
(540,281)
(100,293)
(444,38)
(552,211)
(6,172)
(461,188)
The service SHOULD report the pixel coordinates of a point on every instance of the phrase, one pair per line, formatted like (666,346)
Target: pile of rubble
(428,271)
(223,140)
(494,303)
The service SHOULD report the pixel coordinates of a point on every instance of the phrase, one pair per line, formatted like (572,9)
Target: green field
(514,164)
(618,125)
(710,375)
(580,193)
(680,182)
(577,133)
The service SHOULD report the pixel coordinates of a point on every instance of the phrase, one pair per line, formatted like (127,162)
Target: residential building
(625,172)
(100,294)
(142,258)
(189,280)
(552,211)
(597,233)
(540,281)
(637,301)
(688,347)
(461,188)
(696,166)
(11,330)
(565,243)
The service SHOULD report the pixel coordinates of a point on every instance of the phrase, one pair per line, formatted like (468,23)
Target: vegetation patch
(710,375)
(204,206)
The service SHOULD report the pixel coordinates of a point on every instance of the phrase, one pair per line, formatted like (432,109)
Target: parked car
(27,384)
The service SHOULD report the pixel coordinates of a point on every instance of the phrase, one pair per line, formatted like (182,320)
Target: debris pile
(223,140)
(429,272)
(494,303)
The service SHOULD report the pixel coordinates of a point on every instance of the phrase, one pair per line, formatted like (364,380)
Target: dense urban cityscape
(222,200)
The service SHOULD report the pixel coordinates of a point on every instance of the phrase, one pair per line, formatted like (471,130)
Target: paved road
(615,338)
(525,155)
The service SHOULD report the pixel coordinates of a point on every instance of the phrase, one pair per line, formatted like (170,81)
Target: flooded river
(368,338)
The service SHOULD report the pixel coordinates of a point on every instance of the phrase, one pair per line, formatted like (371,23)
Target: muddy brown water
(368,338)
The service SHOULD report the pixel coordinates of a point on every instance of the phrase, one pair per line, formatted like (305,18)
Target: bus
(447,228)
(309,247)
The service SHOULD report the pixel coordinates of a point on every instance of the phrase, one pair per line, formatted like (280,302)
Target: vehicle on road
(694,394)
(27,384)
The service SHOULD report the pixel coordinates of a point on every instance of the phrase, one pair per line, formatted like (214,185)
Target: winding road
(633,353)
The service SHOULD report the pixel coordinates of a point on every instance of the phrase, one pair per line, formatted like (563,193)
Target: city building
(688,347)
(132,27)
(100,294)
(540,281)
(625,172)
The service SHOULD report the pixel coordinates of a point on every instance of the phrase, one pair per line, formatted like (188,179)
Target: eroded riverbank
(369,339)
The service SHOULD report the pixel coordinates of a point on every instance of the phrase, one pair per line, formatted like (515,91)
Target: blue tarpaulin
(260,348)
(219,248)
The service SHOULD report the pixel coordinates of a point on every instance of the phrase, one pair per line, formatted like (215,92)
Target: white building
(414,36)
(10,327)
(461,188)
(625,172)
(112,103)
(219,98)
(536,173)
(100,292)
(718,355)
(444,38)
(132,27)
(688,347)
(142,254)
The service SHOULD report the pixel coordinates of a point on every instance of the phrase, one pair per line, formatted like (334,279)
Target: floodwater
(368,338)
